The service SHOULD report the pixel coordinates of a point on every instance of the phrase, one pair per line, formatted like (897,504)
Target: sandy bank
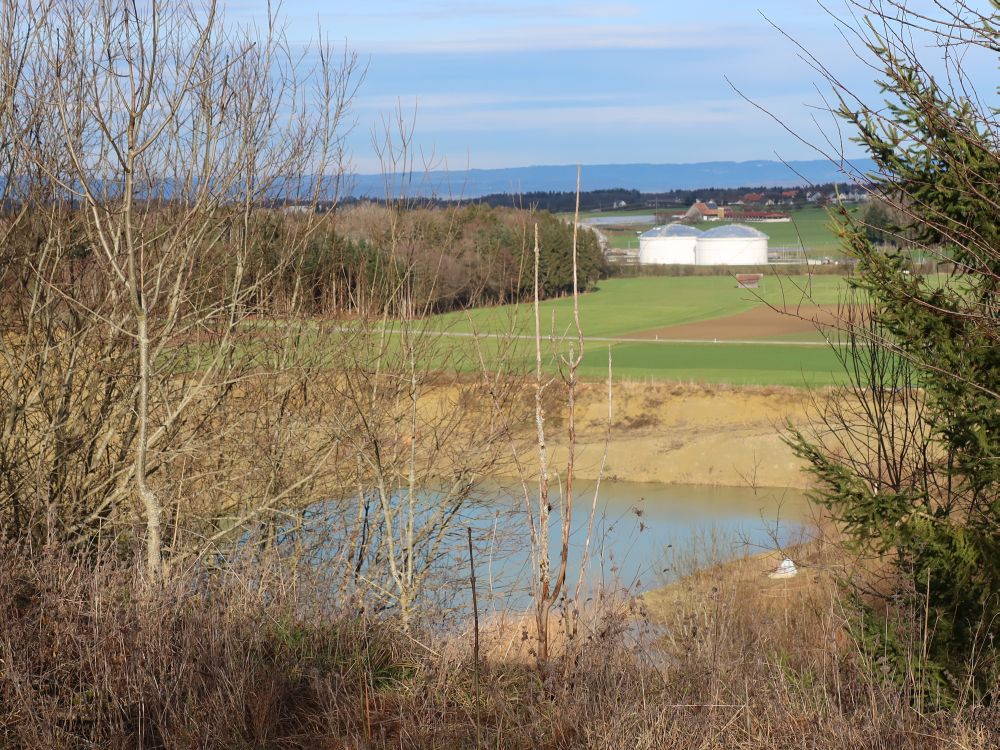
(686,434)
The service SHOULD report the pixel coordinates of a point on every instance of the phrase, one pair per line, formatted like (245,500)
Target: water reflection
(638,530)
(641,536)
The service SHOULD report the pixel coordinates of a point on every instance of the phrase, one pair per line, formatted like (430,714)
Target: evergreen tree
(926,493)
(878,227)
(556,260)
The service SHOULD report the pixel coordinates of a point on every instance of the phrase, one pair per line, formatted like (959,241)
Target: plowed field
(760,323)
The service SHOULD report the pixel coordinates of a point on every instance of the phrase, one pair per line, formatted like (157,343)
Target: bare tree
(550,580)
(159,132)
(167,386)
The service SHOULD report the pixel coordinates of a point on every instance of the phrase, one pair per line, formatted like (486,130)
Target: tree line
(564,201)
(413,261)
(363,259)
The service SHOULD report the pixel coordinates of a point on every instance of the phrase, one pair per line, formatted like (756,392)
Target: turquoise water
(643,535)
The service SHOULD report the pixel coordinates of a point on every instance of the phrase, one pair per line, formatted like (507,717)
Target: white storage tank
(668,245)
(732,245)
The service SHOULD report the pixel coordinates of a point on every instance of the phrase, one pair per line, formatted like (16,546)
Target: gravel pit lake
(643,535)
(640,536)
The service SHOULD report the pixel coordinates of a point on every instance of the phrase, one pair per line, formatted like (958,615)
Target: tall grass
(92,658)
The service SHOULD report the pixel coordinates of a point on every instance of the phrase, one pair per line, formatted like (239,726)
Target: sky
(507,83)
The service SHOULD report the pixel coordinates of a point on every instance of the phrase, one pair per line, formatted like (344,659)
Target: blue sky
(515,83)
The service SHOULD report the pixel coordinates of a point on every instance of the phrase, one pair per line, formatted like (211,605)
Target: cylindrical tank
(667,245)
(732,245)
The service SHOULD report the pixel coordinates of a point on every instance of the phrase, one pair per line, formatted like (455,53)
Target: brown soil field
(685,434)
(762,322)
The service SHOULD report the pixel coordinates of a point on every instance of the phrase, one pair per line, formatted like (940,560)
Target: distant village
(758,207)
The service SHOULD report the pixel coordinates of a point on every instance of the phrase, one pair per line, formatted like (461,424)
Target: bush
(92,658)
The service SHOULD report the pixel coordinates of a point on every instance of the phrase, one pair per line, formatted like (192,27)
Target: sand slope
(687,434)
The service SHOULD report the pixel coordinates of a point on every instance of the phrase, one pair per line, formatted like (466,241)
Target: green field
(624,239)
(810,228)
(627,316)
(612,214)
(624,307)
(737,364)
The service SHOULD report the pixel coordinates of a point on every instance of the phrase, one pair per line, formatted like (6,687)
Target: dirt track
(760,323)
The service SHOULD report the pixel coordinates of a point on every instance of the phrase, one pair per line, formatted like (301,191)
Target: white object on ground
(787,569)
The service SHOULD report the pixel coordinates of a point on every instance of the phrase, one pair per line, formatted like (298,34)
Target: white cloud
(628,117)
(549,37)
(458,11)
(428,102)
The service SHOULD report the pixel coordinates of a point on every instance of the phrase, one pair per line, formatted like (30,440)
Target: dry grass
(92,659)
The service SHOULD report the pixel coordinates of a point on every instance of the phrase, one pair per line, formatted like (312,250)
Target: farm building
(674,243)
(702,211)
(731,245)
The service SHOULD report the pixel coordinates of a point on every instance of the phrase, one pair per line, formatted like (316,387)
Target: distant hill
(646,178)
